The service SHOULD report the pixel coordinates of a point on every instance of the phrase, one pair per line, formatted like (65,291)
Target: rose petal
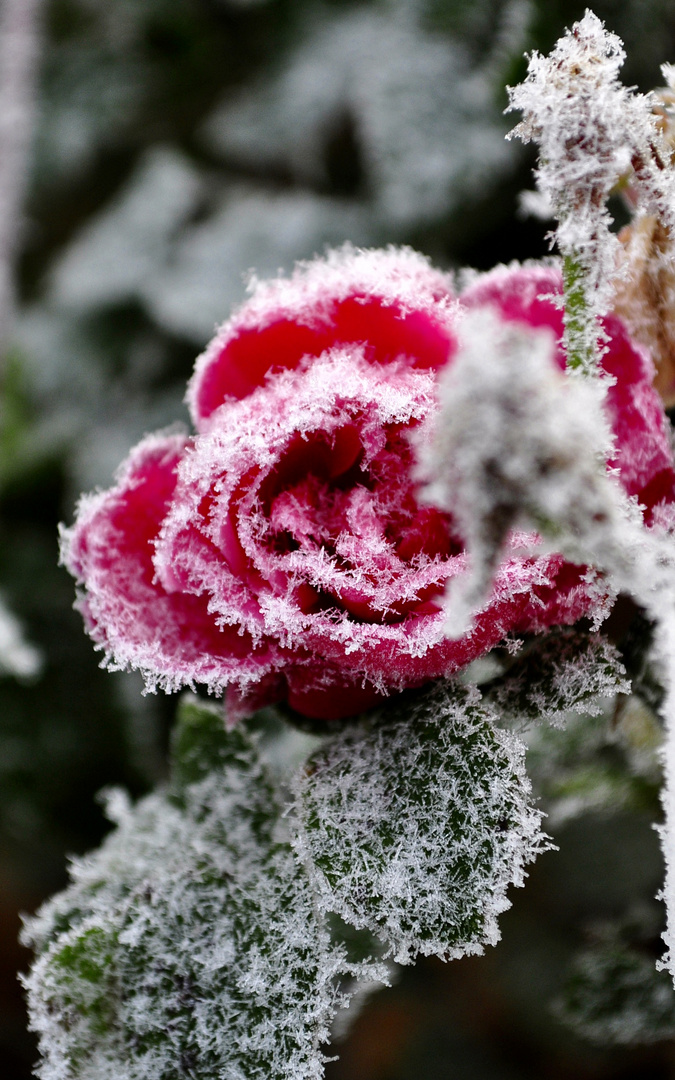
(171,637)
(391,302)
(643,451)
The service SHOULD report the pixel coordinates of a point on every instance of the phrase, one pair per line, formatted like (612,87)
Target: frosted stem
(666,651)
(580,341)
(593,133)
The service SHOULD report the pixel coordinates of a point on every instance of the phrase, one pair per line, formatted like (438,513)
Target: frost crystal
(189,944)
(592,131)
(414,824)
(542,468)
(567,671)
(543,461)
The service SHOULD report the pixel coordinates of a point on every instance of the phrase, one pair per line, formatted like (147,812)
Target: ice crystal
(189,944)
(543,461)
(592,131)
(414,824)
(568,670)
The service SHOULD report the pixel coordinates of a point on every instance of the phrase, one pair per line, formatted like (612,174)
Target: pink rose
(281,552)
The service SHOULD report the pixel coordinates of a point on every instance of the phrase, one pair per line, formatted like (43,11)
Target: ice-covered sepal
(566,671)
(414,822)
(189,944)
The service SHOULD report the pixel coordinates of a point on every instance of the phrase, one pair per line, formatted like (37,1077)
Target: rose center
(341,520)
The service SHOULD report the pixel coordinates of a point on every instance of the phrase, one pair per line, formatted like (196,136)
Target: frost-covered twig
(592,131)
(542,464)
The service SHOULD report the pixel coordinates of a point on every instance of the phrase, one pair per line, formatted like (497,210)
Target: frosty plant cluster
(389,478)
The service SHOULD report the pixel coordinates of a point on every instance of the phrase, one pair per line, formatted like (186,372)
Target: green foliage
(614,993)
(189,943)
(414,823)
(605,762)
(89,988)
(200,743)
(566,670)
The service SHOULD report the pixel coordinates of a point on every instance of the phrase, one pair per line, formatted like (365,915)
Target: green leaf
(567,670)
(598,762)
(414,823)
(189,944)
(201,743)
(614,994)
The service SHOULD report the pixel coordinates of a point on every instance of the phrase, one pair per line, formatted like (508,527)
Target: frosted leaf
(565,670)
(602,763)
(17,657)
(189,943)
(97,417)
(423,121)
(615,996)
(129,242)
(252,228)
(414,823)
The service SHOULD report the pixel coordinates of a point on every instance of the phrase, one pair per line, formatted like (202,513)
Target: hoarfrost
(17,657)
(422,119)
(592,131)
(128,244)
(566,671)
(414,824)
(189,942)
(543,467)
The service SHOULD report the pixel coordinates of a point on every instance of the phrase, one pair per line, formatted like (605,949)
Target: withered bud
(645,295)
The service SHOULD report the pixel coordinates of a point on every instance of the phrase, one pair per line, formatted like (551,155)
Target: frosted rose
(281,552)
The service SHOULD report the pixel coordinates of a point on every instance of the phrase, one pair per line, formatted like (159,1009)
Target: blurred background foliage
(178,145)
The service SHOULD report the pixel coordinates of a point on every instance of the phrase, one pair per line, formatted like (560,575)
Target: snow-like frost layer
(545,469)
(189,943)
(415,823)
(592,131)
